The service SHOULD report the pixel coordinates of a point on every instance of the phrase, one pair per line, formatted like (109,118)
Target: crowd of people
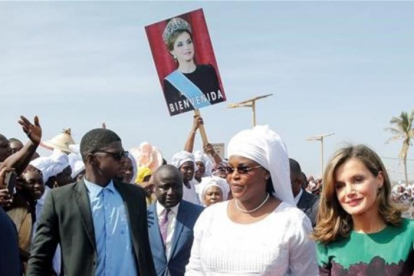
(96,209)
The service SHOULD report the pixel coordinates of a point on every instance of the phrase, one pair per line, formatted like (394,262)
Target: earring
(175,58)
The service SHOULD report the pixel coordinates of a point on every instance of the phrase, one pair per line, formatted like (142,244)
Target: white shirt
(189,194)
(277,245)
(172,219)
(297,198)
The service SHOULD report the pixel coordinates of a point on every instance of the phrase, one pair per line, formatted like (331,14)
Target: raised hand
(198,121)
(5,198)
(209,149)
(33,131)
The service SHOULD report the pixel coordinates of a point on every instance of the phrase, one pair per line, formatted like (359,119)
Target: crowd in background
(205,215)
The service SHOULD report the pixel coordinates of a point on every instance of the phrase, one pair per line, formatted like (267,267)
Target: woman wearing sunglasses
(259,231)
(359,230)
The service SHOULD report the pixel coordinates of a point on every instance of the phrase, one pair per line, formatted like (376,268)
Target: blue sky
(342,67)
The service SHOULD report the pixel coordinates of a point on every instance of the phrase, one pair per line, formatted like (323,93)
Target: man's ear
(91,159)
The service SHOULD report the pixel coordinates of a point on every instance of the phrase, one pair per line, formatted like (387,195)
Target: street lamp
(320,138)
(249,103)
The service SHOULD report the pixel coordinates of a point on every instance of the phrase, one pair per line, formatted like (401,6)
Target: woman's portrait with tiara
(189,85)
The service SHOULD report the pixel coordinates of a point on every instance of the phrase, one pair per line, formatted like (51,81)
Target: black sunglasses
(115,155)
(240,169)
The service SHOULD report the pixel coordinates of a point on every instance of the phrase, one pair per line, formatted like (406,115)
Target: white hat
(202,157)
(264,146)
(51,165)
(216,181)
(181,157)
(61,141)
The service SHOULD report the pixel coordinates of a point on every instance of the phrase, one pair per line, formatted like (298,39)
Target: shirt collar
(160,208)
(95,189)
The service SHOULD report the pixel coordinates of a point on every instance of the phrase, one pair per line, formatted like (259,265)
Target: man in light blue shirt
(113,239)
(100,223)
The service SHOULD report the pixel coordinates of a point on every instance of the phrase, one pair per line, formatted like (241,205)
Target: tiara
(175,24)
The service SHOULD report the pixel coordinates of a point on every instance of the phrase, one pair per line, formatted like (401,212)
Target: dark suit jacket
(67,219)
(308,203)
(10,264)
(182,239)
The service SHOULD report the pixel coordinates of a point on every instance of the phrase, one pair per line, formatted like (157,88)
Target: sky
(332,67)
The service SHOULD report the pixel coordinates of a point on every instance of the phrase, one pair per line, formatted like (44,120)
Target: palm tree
(403,130)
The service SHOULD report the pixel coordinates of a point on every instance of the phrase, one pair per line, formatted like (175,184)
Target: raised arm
(21,159)
(189,144)
(210,150)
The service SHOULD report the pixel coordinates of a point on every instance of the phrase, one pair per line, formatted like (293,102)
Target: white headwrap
(51,165)
(75,160)
(199,156)
(181,157)
(134,166)
(264,146)
(208,182)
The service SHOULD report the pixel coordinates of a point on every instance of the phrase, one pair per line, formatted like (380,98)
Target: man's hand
(33,131)
(5,198)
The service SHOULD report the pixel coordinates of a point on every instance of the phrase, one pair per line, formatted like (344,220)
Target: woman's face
(183,48)
(213,195)
(357,188)
(187,169)
(201,169)
(127,170)
(249,185)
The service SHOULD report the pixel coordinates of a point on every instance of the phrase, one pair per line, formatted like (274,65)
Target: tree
(402,129)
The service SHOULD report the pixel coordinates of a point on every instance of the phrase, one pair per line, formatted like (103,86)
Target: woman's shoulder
(292,215)
(219,207)
(205,68)
(409,223)
(406,227)
(212,213)
(290,211)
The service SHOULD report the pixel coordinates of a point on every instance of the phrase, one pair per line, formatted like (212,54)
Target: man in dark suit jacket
(100,223)
(10,264)
(171,221)
(305,201)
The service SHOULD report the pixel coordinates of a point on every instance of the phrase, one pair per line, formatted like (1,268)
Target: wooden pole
(201,128)
(322,154)
(254,112)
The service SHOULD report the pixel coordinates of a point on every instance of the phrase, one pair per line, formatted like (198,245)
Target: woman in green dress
(360,231)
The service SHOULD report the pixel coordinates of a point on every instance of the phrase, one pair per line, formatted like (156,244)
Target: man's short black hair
(97,139)
(295,168)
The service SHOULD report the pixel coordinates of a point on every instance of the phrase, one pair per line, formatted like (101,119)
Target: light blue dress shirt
(112,235)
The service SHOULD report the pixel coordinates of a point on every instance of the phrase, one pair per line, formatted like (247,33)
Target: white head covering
(75,160)
(199,156)
(208,182)
(51,165)
(134,166)
(264,146)
(181,157)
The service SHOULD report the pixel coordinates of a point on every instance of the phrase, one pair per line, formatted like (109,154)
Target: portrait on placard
(185,62)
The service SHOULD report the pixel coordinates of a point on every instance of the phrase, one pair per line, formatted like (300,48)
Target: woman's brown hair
(332,221)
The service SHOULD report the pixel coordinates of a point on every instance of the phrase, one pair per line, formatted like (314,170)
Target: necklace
(255,209)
